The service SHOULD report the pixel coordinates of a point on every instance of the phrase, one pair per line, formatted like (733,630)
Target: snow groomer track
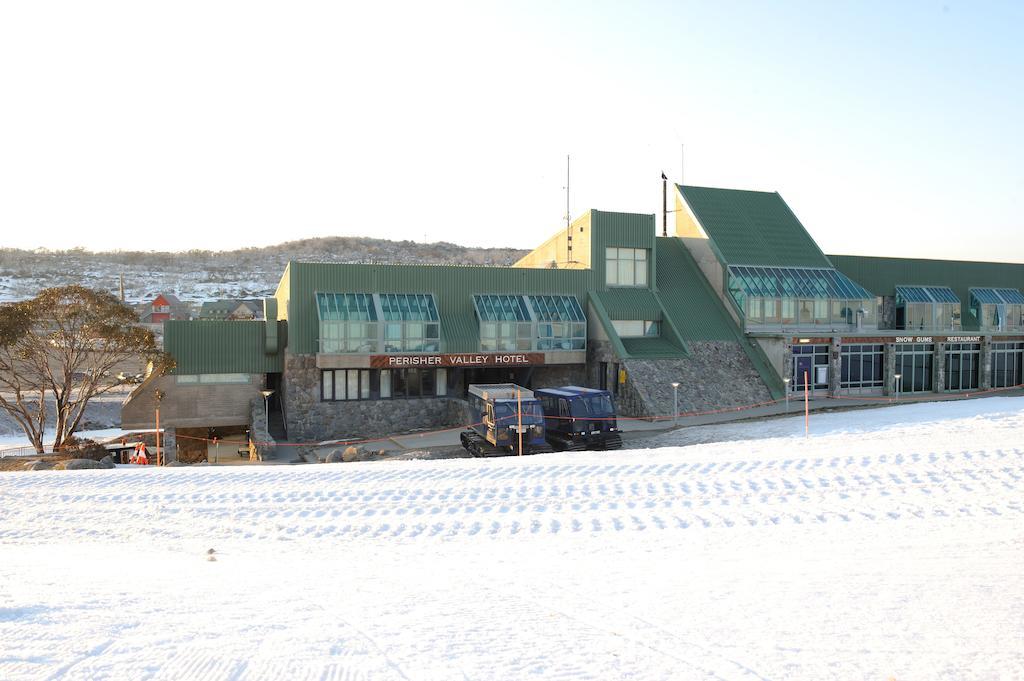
(886,545)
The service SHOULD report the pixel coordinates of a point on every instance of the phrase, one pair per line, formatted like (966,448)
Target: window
(634,328)
(561,323)
(962,363)
(799,296)
(401,383)
(862,369)
(998,309)
(347,322)
(914,364)
(344,384)
(337,385)
(626,266)
(927,308)
(351,322)
(510,323)
(411,322)
(1007,364)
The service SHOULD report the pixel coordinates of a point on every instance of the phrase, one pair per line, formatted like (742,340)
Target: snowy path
(888,545)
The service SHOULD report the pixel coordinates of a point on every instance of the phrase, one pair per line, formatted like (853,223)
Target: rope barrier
(947,397)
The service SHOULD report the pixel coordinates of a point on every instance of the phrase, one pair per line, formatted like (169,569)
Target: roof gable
(752,228)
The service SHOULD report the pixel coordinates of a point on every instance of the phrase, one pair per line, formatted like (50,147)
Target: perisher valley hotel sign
(469,360)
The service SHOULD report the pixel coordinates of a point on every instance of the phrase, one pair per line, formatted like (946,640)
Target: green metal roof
(883,275)
(631,303)
(753,228)
(222,347)
(654,347)
(697,313)
(452,287)
(690,302)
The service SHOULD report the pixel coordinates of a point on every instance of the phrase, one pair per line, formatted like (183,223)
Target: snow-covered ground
(889,544)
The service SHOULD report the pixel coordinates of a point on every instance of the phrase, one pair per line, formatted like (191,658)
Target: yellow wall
(686,226)
(554,252)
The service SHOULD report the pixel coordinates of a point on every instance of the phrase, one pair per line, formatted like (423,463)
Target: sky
(889,128)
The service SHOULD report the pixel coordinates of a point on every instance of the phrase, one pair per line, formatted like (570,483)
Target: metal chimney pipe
(664,205)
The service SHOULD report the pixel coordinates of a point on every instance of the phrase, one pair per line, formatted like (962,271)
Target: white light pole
(266,405)
(675,403)
(897,377)
(786,382)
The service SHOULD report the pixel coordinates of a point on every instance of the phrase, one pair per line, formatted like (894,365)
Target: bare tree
(66,344)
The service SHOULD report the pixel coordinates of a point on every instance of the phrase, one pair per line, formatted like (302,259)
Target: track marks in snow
(520,498)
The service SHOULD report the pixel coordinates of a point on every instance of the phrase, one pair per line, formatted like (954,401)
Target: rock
(39,466)
(337,456)
(176,464)
(350,454)
(107,462)
(79,465)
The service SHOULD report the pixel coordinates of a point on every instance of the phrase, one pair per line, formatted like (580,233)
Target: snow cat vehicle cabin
(507,419)
(578,418)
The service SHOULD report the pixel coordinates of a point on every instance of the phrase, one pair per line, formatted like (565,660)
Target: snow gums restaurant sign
(938,339)
(468,360)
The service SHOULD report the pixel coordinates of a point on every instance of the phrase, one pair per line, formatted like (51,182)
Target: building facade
(737,306)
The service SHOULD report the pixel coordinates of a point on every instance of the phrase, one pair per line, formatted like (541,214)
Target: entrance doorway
(810,364)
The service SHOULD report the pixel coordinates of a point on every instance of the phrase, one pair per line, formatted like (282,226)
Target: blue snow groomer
(579,418)
(501,413)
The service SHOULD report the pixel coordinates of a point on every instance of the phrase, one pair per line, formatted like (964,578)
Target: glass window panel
(788,311)
(821,311)
(414,386)
(428,378)
(641,273)
(611,273)
(442,382)
(626,273)
(327,385)
(806,312)
(385,383)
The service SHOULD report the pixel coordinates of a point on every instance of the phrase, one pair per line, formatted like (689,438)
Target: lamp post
(158,397)
(675,403)
(266,405)
(897,378)
(785,382)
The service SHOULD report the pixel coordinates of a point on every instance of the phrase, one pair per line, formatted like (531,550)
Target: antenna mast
(568,218)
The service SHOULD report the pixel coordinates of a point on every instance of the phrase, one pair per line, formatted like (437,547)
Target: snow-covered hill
(197,275)
(887,545)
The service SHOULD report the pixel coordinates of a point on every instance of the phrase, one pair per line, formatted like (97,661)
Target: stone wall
(310,419)
(888,319)
(259,431)
(169,443)
(717,374)
(557,375)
